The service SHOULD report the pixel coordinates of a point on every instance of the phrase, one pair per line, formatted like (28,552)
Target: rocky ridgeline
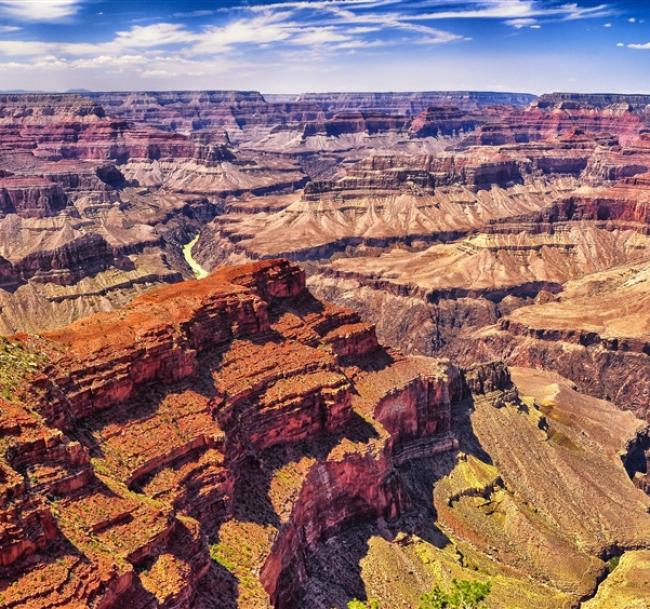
(31,197)
(239,112)
(88,213)
(442,249)
(236,442)
(592,100)
(125,437)
(410,102)
(478,169)
(75,131)
(538,123)
(139,174)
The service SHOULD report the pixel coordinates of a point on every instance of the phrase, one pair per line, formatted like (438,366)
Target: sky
(293,46)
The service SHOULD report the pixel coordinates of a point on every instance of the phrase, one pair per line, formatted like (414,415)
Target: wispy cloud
(39,10)
(138,37)
(258,26)
(256,30)
(522,22)
(511,11)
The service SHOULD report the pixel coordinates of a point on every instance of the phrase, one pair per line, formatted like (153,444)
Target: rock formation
(128,434)
(244,440)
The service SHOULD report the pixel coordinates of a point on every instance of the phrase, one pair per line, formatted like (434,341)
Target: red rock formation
(364,485)
(170,396)
(241,412)
(358,488)
(30,197)
(444,120)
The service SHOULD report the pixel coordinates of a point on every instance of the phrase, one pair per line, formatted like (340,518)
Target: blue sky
(326,45)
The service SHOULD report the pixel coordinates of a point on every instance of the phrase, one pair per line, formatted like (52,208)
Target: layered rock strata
(129,436)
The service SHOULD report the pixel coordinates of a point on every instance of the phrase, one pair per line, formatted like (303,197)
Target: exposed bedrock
(165,403)
(362,487)
(614,364)
(354,491)
(241,411)
(247,113)
(592,100)
(598,367)
(245,440)
(31,197)
(163,349)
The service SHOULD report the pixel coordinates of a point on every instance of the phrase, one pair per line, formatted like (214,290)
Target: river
(197,269)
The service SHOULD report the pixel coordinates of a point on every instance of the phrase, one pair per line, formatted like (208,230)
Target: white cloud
(138,37)
(23,48)
(607,25)
(155,35)
(620,44)
(317,36)
(360,44)
(39,10)
(110,60)
(513,10)
(272,27)
(638,46)
(315,30)
(442,39)
(632,19)
(522,22)
(322,25)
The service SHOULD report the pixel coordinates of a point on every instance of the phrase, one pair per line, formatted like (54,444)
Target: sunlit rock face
(132,436)
(421,351)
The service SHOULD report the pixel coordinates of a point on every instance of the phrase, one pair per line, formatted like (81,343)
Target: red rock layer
(245,112)
(167,400)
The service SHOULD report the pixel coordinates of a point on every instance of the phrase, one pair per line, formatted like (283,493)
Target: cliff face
(593,100)
(128,435)
(94,209)
(233,441)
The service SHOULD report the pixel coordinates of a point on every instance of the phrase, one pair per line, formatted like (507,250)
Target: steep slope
(94,210)
(130,437)
(237,442)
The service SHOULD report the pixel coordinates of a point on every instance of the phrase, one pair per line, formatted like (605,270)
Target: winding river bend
(197,269)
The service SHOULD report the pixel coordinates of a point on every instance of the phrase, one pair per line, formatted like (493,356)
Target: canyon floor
(264,351)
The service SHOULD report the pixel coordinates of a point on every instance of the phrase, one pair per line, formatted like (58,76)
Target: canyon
(287,351)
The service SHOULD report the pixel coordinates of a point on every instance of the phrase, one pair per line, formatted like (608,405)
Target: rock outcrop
(443,249)
(129,435)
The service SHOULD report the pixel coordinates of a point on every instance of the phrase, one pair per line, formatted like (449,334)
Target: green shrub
(464,594)
(612,563)
(371,603)
(218,555)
